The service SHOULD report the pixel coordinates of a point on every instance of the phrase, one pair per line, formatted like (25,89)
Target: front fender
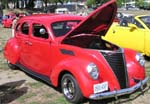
(12,50)
(135,70)
(77,67)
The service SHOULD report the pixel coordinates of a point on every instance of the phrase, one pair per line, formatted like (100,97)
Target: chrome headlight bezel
(93,71)
(140,58)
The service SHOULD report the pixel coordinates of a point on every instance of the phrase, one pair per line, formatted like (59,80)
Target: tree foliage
(4,3)
(90,3)
(95,2)
(142,4)
(139,3)
(119,2)
(30,5)
(31,2)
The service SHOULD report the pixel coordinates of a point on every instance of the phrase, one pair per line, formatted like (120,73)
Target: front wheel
(71,90)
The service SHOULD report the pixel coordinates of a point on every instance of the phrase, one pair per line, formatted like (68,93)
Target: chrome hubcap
(68,88)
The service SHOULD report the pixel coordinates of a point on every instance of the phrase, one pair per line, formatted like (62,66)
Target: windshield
(146,20)
(63,27)
(131,19)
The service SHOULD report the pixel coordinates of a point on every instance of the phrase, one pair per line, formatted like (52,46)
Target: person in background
(14,23)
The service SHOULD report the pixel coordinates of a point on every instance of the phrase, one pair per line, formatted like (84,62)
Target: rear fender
(12,50)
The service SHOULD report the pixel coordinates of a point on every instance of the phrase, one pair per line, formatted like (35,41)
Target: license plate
(100,87)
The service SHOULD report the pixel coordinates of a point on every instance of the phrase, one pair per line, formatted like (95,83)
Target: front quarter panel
(135,70)
(76,67)
(11,50)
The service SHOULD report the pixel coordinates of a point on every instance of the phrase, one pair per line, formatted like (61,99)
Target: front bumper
(121,92)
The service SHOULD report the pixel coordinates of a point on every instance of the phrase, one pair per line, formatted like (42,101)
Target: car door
(147,42)
(129,36)
(40,52)
(22,35)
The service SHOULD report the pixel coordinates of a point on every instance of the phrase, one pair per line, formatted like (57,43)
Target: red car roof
(52,17)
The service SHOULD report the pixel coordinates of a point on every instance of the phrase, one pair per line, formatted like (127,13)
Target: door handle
(114,31)
(28,43)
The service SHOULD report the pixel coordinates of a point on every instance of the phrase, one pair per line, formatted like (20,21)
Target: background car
(66,51)
(8,20)
(1,14)
(132,32)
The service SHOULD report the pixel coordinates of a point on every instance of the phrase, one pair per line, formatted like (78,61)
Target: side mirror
(42,31)
(133,26)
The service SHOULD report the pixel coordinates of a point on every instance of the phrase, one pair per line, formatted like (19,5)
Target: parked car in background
(132,8)
(129,7)
(66,51)
(61,11)
(133,32)
(8,20)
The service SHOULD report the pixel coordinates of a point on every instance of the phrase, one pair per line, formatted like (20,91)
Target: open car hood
(98,22)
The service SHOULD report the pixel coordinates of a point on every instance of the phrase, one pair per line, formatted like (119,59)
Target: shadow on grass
(11,91)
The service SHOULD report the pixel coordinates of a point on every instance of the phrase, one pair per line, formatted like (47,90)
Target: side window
(25,28)
(38,30)
(138,24)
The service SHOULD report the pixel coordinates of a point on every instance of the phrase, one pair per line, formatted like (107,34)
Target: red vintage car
(7,20)
(67,51)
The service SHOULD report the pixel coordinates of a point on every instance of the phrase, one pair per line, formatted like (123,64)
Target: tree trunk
(25,3)
(5,3)
(30,4)
(45,1)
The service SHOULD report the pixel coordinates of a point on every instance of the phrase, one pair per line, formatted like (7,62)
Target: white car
(61,10)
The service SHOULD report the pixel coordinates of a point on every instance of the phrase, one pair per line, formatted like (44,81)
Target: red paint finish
(8,20)
(132,73)
(52,45)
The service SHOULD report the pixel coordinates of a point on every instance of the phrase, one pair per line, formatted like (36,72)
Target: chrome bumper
(121,92)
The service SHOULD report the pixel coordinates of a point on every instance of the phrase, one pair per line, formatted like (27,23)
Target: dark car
(1,14)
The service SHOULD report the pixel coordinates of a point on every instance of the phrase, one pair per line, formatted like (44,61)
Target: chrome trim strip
(121,92)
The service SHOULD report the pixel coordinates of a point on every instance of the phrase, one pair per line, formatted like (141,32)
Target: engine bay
(90,41)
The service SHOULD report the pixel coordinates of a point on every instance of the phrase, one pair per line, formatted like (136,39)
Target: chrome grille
(117,62)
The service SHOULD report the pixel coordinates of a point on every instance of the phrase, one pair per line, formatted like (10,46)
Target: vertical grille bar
(117,63)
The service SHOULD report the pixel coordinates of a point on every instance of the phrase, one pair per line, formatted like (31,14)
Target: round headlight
(140,59)
(93,71)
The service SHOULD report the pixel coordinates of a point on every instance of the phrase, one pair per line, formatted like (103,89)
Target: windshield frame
(145,20)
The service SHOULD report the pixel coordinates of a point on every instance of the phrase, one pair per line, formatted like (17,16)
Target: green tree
(96,2)
(58,1)
(4,3)
(45,1)
(101,1)
(139,3)
(142,4)
(119,2)
(90,3)
(30,5)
